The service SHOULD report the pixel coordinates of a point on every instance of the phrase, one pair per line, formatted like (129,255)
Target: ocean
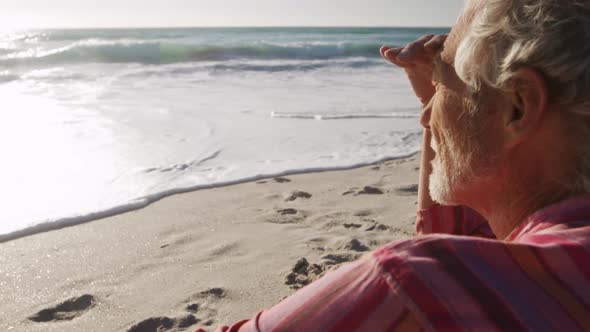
(102,121)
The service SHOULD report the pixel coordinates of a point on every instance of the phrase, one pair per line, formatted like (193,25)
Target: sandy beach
(204,258)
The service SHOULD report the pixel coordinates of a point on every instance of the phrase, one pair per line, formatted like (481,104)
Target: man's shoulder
(425,254)
(448,279)
(422,245)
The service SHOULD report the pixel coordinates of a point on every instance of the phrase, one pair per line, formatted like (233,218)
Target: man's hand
(416,59)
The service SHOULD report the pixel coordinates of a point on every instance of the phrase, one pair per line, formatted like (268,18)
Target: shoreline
(143,202)
(206,257)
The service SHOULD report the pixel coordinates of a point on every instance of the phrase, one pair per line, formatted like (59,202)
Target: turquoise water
(164,46)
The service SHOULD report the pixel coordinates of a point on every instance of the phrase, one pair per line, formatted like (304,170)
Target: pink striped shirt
(457,278)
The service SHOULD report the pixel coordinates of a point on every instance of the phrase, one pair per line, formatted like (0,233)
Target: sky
(174,13)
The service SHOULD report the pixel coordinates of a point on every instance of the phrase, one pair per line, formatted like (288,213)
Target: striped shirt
(454,276)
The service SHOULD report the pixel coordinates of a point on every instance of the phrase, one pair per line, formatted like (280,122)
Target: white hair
(550,36)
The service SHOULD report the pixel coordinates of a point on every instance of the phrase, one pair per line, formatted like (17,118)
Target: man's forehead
(459,30)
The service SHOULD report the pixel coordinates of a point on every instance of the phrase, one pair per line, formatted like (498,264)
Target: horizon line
(235,27)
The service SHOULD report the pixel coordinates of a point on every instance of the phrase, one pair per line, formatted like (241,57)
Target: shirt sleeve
(456,220)
(355,297)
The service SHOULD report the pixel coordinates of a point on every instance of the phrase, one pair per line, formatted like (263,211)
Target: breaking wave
(162,52)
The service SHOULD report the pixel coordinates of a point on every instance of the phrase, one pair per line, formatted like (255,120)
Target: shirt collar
(572,209)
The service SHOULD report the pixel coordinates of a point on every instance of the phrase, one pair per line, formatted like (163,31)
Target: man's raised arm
(417,59)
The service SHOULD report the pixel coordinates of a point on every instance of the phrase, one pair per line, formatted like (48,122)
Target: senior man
(506,117)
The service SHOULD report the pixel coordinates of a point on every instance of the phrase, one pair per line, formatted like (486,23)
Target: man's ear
(527,107)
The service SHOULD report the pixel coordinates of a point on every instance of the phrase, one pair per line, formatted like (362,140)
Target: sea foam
(107,121)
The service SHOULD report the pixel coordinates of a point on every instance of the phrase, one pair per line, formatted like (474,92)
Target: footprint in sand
(363,213)
(303,273)
(375,226)
(281,180)
(216,292)
(350,191)
(287,212)
(367,190)
(355,245)
(198,311)
(297,194)
(367,225)
(408,190)
(161,324)
(66,310)
(352,225)
(286,216)
(153,324)
(202,304)
(193,308)
(186,321)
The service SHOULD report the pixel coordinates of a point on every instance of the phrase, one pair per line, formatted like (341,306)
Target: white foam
(92,140)
(343,116)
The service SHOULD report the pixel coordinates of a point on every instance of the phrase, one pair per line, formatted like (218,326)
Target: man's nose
(425,116)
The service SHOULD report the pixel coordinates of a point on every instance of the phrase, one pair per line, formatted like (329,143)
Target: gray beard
(440,184)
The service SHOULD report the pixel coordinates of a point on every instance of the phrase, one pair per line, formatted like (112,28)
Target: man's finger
(414,47)
(391,55)
(435,43)
(384,49)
